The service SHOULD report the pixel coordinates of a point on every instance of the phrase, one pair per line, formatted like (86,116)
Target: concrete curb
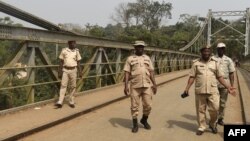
(244,95)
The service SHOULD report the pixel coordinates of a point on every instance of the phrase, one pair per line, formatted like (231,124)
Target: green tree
(147,13)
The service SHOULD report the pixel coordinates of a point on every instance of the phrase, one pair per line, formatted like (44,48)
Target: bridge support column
(209,27)
(31,48)
(118,64)
(99,68)
(247,32)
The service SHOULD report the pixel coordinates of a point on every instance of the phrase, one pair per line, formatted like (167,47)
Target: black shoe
(199,132)
(214,130)
(135,126)
(135,129)
(145,122)
(57,105)
(220,122)
(72,105)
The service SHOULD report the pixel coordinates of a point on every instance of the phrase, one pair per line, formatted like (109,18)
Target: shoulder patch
(214,59)
(146,56)
(195,60)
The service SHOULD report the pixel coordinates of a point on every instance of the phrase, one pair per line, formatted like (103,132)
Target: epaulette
(144,55)
(215,59)
(195,60)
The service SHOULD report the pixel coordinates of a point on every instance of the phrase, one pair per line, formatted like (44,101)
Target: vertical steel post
(247,33)
(99,68)
(56,51)
(118,64)
(209,27)
(31,47)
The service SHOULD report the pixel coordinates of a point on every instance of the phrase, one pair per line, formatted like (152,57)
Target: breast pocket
(200,69)
(212,68)
(134,65)
(65,55)
(146,63)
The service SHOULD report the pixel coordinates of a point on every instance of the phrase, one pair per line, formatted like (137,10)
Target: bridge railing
(246,67)
(34,54)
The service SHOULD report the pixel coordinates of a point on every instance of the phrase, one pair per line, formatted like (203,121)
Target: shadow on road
(121,121)
(190,117)
(182,124)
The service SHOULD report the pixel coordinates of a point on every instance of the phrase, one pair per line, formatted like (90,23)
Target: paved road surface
(172,118)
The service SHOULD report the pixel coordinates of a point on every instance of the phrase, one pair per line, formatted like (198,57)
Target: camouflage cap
(139,43)
(205,47)
(221,45)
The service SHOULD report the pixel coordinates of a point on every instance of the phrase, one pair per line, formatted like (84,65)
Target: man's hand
(126,90)
(154,89)
(186,91)
(231,90)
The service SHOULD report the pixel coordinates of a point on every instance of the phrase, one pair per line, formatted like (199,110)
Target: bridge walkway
(172,117)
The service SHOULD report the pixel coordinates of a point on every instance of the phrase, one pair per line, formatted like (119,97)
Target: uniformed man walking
(205,71)
(69,66)
(228,69)
(140,72)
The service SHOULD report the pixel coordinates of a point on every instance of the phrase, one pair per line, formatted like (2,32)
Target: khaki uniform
(139,68)
(227,66)
(206,91)
(70,58)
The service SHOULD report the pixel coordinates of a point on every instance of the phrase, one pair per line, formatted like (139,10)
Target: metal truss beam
(18,13)
(228,13)
(30,34)
(245,14)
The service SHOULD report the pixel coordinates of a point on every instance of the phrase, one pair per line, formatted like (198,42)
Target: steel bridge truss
(102,62)
(243,38)
(205,34)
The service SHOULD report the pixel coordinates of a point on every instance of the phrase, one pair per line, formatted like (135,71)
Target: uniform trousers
(223,99)
(69,77)
(144,93)
(204,102)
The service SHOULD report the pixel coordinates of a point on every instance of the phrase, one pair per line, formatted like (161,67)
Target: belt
(69,68)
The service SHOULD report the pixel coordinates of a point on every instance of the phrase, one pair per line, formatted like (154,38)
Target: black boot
(220,121)
(135,125)
(145,122)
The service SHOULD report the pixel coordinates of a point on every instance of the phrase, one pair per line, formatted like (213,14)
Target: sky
(99,12)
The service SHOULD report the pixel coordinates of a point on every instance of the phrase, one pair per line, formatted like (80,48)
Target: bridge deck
(172,115)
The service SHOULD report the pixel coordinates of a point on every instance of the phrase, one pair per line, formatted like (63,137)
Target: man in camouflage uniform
(205,71)
(228,69)
(140,72)
(69,66)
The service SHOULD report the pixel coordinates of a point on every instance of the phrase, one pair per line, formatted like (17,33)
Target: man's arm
(79,70)
(60,69)
(231,78)
(189,84)
(152,78)
(229,88)
(126,89)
